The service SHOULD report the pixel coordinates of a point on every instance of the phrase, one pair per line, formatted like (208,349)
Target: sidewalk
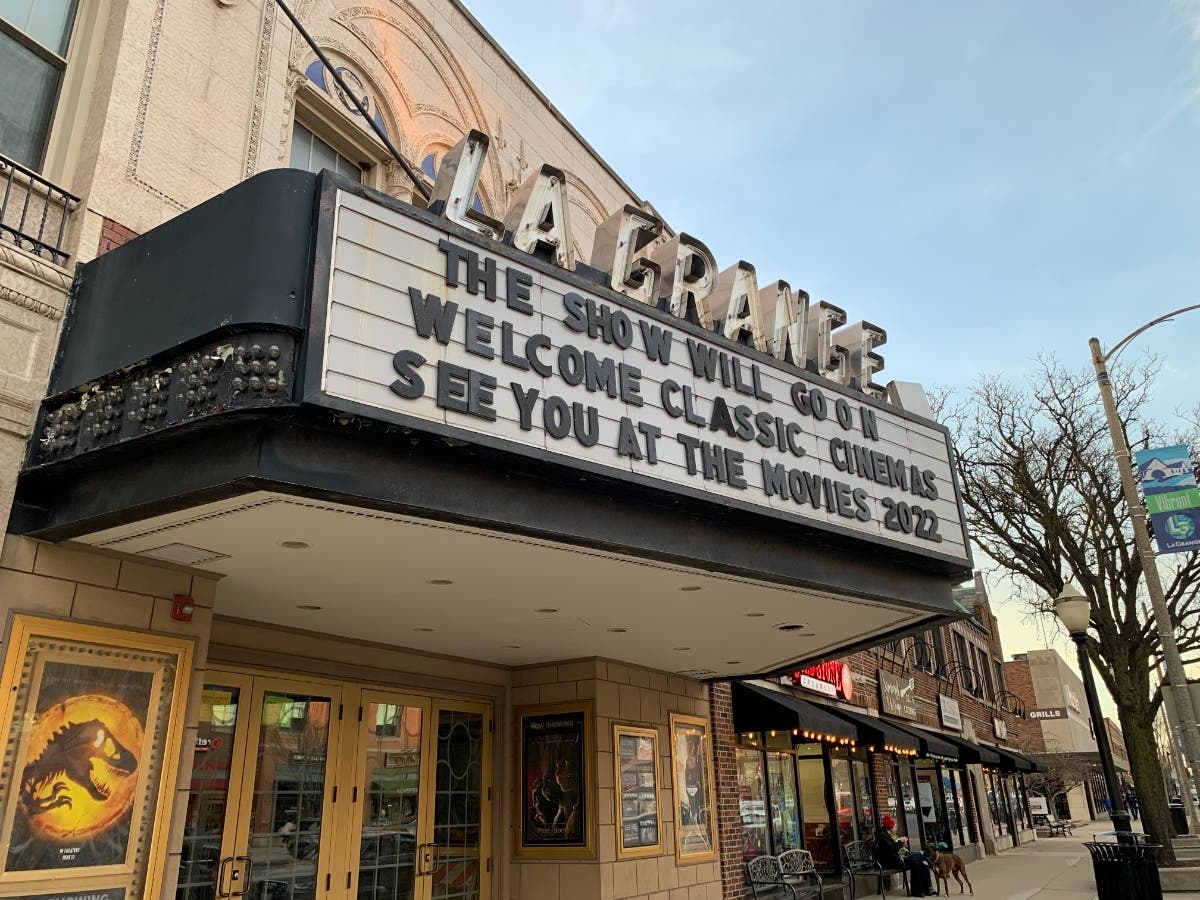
(1057,868)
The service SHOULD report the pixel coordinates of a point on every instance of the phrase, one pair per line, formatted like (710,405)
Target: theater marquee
(485,344)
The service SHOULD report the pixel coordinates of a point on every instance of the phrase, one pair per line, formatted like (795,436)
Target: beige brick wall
(67,582)
(623,695)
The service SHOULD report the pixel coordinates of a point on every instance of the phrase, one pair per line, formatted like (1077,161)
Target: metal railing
(33,211)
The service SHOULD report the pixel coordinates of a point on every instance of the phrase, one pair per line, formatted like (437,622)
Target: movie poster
(694,816)
(80,772)
(554,811)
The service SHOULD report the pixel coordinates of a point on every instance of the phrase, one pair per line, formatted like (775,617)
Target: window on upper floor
(34,36)
(985,673)
(312,154)
(963,658)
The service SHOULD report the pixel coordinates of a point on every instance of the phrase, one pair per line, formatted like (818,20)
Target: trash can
(1179,823)
(1126,871)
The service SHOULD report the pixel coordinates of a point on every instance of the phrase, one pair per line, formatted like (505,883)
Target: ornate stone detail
(35,306)
(139,123)
(396,182)
(262,69)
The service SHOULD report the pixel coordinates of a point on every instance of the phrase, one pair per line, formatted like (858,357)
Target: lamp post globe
(1074,610)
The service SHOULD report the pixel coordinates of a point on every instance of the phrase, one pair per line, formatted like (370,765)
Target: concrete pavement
(1058,868)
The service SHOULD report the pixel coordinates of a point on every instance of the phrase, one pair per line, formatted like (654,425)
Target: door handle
(222,891)
(426,859)
(246,881)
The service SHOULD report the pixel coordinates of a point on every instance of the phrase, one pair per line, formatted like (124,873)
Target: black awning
(970,752)
(1013,762)
(761,709)
(934,746)
(879,735)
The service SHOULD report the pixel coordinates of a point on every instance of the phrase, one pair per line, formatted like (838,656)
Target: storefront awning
(970,752)
(934,746)
(760,709)
(878,734)
(1013,762)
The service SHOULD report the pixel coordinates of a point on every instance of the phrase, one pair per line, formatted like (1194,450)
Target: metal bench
(800,872)
(860,860)
(765,877)
(1058,826)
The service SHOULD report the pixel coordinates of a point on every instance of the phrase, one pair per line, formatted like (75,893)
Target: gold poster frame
(587,791)
(35,642)
(679,790)
(656,848)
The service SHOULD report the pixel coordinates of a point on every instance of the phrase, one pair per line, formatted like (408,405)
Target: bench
(800,871)
(1058,827)
(769,881)
(860,860)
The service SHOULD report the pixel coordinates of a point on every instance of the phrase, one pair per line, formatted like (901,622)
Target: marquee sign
(485,343)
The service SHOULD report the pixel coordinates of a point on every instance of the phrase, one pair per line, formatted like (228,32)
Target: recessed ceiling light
(440,581)
(618,630)
(308,606)
(546,609)
(690,587)
(733,662)
(754,615)
(295,545)
(423,629)
(789,626)
(512,646)
(683,648)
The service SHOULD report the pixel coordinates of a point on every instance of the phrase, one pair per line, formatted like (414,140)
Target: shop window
(932,804)
(891,788)
(865,796)
(844,802)
(818,836)
(313,154)
(34,35)
(752,793)
(908,796)
(785,805)
(952,791)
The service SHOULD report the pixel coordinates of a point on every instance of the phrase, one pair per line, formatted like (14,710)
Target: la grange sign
(649,365)
(678,274)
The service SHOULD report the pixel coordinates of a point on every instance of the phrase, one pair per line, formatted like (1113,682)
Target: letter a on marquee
(735,301)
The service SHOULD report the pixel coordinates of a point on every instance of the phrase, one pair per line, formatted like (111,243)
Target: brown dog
(947,864)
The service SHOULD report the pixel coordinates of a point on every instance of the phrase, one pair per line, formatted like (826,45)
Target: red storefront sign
(833,679)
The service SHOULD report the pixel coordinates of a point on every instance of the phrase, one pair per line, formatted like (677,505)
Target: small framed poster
(554,780)
(93,729)
(635,756)
(695,806)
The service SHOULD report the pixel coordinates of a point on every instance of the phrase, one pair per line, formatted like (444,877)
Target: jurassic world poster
(554,806)
(80,771)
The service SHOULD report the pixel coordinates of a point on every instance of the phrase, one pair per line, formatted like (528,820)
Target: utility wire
(417,180)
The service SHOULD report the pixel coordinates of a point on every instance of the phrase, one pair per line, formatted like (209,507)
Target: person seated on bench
(891,853)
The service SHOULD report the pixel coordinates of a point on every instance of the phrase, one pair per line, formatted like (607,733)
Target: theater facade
(409,541)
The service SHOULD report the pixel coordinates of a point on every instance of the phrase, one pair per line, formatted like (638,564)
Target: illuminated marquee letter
(736,302)
(822,348)
(789,311)
(538,216)
(688,277)
(457,183)
(860,341)
(615,250)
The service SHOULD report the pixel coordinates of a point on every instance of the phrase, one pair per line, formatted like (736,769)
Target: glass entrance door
(304,790)
(260,799)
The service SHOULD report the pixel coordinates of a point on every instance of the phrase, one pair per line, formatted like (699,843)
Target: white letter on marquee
(860,340)
(538,216)
(789,311)
(736,302)
(822,349)
(457,183)
(688,277)
(615,250)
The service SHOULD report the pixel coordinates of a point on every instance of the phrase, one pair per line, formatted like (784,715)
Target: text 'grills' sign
(430,327)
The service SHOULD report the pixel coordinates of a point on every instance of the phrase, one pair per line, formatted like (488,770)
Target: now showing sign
(477,341)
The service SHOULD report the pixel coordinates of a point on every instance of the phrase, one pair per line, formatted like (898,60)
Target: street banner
(1172,498)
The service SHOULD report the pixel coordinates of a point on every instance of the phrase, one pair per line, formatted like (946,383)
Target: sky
(985,181)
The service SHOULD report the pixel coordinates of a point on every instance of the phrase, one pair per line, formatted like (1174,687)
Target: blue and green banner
(1168,482)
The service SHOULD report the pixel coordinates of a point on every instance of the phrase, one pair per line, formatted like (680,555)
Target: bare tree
(1044,503)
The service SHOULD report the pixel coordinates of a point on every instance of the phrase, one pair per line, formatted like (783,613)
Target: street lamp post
(1075,612)
(1185,715)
